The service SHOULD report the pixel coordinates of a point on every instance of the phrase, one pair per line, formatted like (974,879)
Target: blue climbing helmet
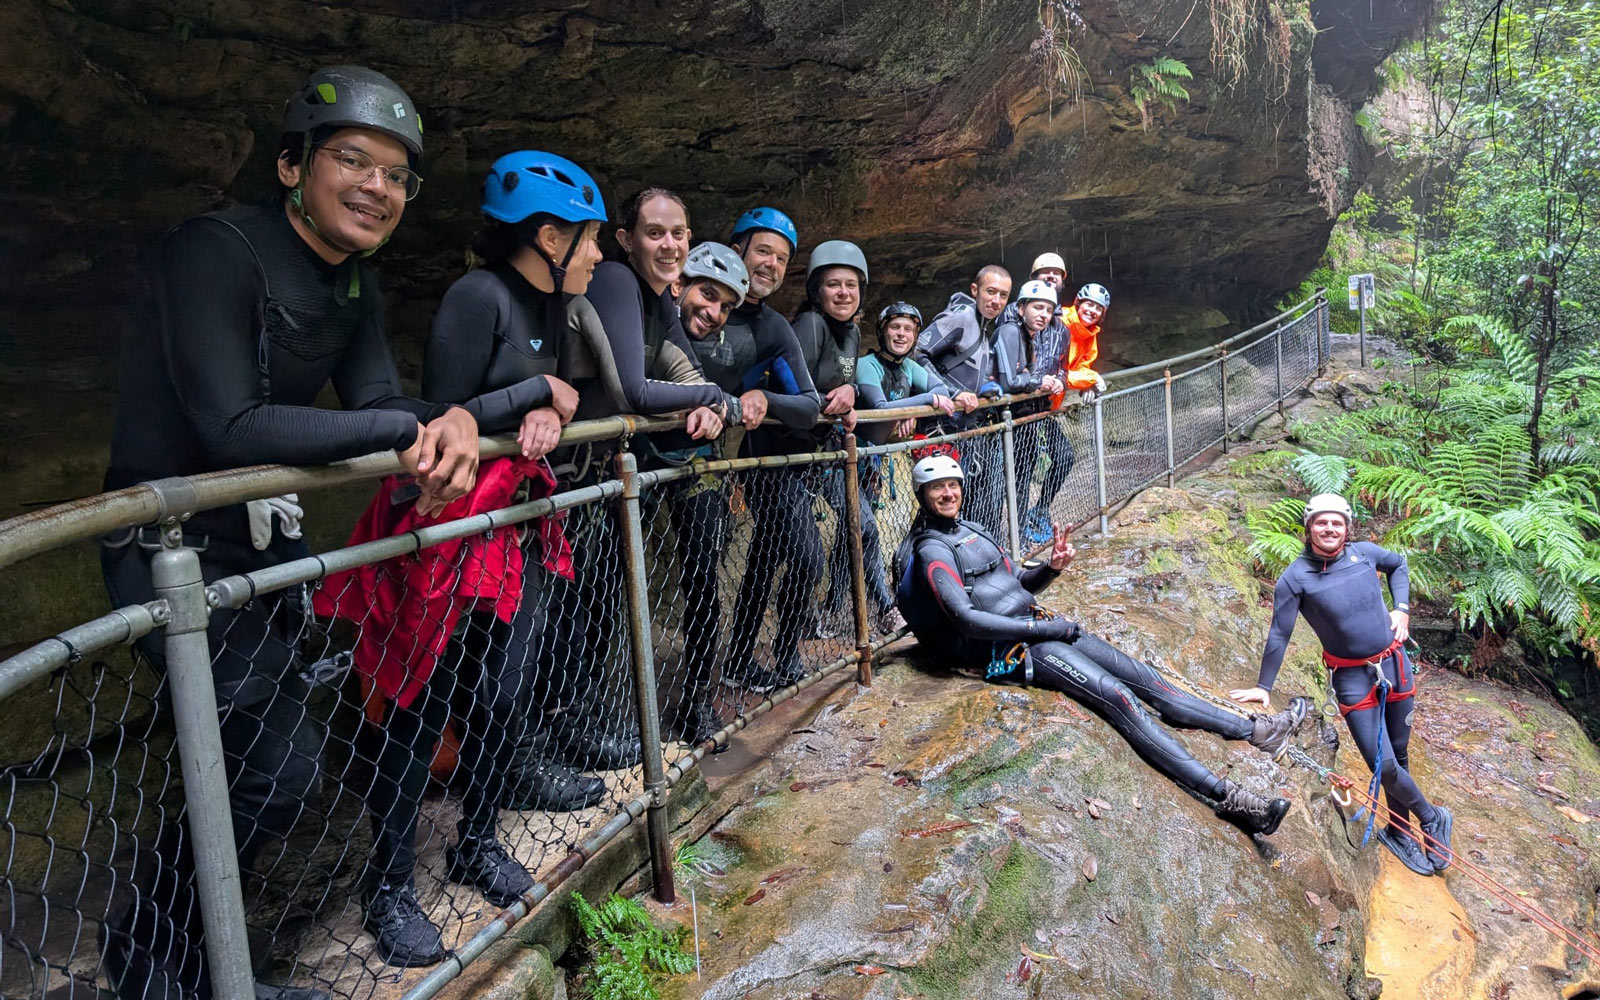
(528,183)
(769,219)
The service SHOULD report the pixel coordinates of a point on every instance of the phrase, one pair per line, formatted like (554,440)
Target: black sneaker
(1407,850)
(694,722)
(752,677)
(1438,842)
(535,783)
(1273,732)
(587,743)
(1250,812)
(266,992)
(484,862)
(406,937)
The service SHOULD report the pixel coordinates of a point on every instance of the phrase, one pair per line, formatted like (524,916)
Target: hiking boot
(694,722)
(586,742)
(755,678)
(547,786)
(483,862)
(1250,812)
(891,621)
(1273,732)
(1407,850)
(406,937)
(1438,842)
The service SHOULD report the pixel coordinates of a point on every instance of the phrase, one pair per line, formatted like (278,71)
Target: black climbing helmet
(355,97)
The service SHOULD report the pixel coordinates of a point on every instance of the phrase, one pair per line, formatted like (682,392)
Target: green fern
(628,951)
(1155,82)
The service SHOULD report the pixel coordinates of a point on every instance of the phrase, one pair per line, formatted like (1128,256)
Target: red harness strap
(1405,688)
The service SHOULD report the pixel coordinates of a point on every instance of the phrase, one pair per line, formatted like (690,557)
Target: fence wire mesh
(426,735)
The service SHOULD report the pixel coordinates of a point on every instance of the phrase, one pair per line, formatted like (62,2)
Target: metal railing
(621,629)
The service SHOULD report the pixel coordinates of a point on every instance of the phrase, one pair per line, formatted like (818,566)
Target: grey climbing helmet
(355,97)
(718,263)
(838,253)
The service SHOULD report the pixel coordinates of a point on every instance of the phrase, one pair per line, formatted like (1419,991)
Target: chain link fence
(248,769)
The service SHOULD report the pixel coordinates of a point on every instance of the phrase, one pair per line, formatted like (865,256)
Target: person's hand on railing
(839,401)
(703,424)
(848,421)
(444,459)
(903,429)
(540,432)
(1050,384)
(752,409)
(563,398)
(968,401)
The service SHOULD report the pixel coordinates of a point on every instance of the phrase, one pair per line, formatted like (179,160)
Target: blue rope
(1382,690)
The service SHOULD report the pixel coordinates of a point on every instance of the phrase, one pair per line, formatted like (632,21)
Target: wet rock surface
(937,836)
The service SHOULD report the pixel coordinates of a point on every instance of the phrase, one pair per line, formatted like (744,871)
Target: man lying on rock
(960,593)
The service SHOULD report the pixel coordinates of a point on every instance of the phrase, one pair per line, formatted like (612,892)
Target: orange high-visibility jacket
(1082,347)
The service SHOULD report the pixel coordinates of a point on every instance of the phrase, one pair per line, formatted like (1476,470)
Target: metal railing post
(644,678)
(1277,366)
(858,574)
(175,573)
(1008,442)
(1222,375)
(1100,465)
(1322,331)
(1166,376)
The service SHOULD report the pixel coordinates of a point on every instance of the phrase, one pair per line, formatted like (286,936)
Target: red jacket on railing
(408,607)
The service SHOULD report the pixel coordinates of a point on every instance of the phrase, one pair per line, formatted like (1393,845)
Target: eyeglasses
(357,168)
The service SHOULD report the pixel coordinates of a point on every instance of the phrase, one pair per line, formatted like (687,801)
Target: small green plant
(628,952)
(1156,82)
(1054,52)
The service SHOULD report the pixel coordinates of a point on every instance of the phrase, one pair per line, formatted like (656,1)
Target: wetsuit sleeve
(1007,350)
(798,410)
(941,335)
(620,306)
(1285,609)
(210,330)
(458,354)
(1393,564)
(589,340)
(944,581)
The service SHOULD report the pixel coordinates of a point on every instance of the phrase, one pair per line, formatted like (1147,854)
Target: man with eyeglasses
(249,313)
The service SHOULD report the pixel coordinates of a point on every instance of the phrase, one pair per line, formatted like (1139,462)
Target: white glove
(261,513)
(1099,383)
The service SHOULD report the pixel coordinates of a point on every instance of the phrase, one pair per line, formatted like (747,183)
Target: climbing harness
(1345,792)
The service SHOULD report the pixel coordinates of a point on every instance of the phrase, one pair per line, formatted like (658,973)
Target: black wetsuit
(1343,602)
(779,500)
(963,599)
(195,396)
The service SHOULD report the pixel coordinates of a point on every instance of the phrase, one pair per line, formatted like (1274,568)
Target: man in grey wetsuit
(1334,583)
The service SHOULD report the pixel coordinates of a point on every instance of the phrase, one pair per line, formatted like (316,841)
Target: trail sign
(1363,292)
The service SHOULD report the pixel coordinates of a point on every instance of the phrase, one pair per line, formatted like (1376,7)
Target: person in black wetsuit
(964,600)
(959,345)
(785,530)
(250,313)
(1334,583)
(634,301)
(499,347)
(1027,342)
(830,339)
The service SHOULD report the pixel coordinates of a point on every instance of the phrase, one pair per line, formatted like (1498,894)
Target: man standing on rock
(1334,583)
(252,312)
(963,598)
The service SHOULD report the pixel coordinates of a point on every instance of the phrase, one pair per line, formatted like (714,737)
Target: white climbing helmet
(718,263)
(1048,260)
(1037,290)
(1328,503)
(935,468)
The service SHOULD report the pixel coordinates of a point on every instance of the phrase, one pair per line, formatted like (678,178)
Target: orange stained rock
(1418,939)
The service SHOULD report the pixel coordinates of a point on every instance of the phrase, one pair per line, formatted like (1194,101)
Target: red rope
(1579,942)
